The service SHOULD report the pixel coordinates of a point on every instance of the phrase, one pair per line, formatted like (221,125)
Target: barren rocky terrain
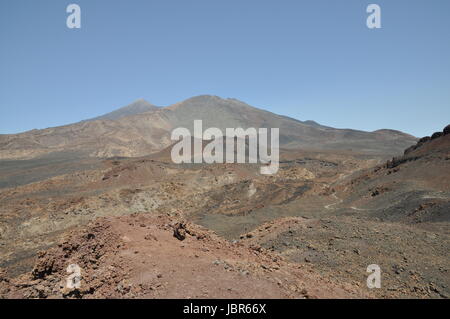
(144,227)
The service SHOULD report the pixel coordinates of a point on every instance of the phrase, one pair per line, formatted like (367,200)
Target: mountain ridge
(141,128)
(137,107)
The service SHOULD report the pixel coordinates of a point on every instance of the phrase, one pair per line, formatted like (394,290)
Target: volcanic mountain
(137,107)
(141,129)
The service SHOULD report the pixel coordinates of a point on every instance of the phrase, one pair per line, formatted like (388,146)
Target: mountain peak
(138,104)
(137,107)
(204,98)
(208,101)
(210,98)
(141,100)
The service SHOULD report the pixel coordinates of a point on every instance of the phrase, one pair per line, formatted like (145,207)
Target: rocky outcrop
(426,139)
(436,135)
(447,130)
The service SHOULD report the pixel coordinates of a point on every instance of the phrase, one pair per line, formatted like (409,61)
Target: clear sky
(308,59)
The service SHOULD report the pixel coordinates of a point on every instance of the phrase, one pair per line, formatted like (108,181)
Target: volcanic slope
(142,129)
(306,214)
(395,215)
(143,256)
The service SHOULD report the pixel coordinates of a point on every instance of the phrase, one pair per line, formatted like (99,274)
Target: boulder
(436,135)
(447,130)
(424,140)
(179,231)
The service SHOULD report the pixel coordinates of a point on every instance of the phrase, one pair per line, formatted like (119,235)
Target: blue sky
(311,59)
